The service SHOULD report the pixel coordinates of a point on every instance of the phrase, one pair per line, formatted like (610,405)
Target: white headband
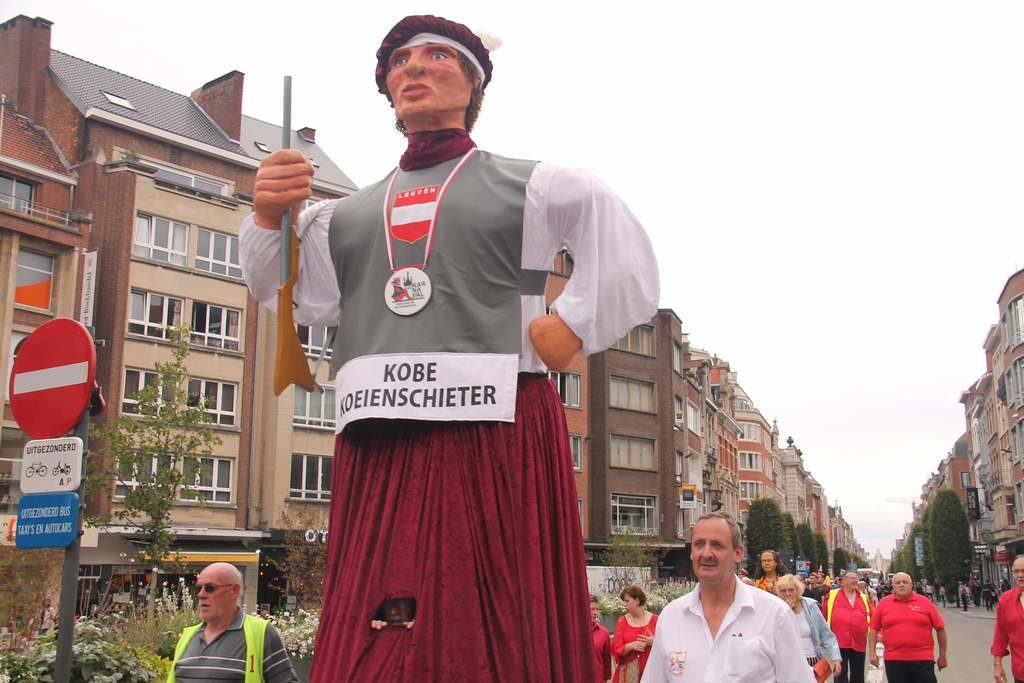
(425,38)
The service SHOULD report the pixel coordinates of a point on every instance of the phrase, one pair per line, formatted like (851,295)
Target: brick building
(994,442)
(168,179)
(41,242)
(573,388)
(758,456)
(639,453)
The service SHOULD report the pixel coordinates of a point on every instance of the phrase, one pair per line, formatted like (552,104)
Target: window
(217,253)
(34,279)
(742,404)
(134,382)
(15,194)
(215,326)
(152,314)
(1015,383)
(570,387)
(160,239)
(1013,323)
(209,479)
(750,461)
(314,408)
(632,394)
(12,446)
(679,414)
(261,146)
(639,340)
(576,447)
(633,453)
(311,477)
(185,179)
(750,432)
(219,396)
(633,514)
(16,338)
(129,475)
(965,480)
(693,418)
(313,339)
(1017,441)
(677,357)
(118,100)
(750,490)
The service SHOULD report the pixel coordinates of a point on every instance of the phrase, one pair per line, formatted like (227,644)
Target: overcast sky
(833,189)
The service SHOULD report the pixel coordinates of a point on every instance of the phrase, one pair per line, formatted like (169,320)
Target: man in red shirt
(1009,632)
(905,621)
(602,643)
(847,613)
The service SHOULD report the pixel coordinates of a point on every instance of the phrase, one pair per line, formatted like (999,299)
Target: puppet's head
(431,68)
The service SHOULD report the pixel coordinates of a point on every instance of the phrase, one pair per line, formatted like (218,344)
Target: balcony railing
(33,209)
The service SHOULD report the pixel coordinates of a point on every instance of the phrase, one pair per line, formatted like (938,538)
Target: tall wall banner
(88,289)
(973,508)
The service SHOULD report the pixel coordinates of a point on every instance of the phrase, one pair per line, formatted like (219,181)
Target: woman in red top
(634,634)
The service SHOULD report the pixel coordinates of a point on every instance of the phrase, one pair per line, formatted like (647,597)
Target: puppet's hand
(282,183)
(555,342)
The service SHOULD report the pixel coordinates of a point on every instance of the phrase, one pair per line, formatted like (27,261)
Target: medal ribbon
(433,219)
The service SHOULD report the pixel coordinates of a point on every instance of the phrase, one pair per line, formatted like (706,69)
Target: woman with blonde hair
(634,633)
(815,635)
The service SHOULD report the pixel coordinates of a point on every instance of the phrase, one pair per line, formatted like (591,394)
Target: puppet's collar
(432,147)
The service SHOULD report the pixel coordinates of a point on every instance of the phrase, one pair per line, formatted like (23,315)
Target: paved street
(970,635)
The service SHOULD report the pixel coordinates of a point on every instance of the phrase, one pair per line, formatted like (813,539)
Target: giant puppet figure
(455,551)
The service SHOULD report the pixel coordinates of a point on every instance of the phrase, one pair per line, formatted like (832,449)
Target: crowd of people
(830,629)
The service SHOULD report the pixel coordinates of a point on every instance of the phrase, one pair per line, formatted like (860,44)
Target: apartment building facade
(758,457)
(41,245)
(994,440)
(639,453)
(168,178)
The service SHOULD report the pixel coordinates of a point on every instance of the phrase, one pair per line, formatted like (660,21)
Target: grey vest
(474,267)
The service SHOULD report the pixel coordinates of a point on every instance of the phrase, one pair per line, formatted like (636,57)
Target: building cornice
(202,147)
(38,170)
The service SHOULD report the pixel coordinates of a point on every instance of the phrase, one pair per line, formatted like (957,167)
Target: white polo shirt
(756,643)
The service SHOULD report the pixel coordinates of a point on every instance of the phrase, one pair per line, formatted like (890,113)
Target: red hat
(412,26)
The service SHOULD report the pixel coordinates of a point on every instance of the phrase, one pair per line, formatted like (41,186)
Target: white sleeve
(316,295)
(614,285)
(656,670)
(790,661)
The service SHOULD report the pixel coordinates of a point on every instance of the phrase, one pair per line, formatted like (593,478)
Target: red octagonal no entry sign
(52,379)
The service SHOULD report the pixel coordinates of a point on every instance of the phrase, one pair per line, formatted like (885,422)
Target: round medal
(407,291)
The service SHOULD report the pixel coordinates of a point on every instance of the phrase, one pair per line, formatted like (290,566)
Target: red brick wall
(24,59)
(577,419)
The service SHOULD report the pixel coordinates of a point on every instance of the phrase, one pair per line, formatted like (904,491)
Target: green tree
(949,531)
(764,529)
(789,540)
(928,570)
(805,543)
(820,553)
(305,560)
(839,561)
(626,552)
(153,457)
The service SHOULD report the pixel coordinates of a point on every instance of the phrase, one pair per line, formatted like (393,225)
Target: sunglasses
(211,588)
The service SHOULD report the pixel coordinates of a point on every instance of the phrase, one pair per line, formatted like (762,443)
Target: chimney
(24,62)
(221,99)
(308,134)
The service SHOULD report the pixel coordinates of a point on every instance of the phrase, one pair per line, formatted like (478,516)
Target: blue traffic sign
(47,520)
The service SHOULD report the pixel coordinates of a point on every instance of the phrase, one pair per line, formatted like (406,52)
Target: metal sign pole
(69,578)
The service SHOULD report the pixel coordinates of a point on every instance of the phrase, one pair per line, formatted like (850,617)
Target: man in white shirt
(725,630)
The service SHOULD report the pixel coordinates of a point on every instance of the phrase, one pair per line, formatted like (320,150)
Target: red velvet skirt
(478,522)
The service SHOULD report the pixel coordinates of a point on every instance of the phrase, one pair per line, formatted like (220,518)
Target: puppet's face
(428,87)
